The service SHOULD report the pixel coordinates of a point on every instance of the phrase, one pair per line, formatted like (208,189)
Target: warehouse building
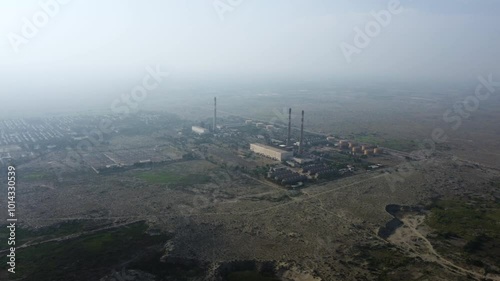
(271,152)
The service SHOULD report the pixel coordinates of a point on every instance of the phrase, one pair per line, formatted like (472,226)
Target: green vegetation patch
(368,138)
(86,257)
(465,220)
(384,260)
(397,144)
(178,174)
(170,178)
(477,224)
(387,259)
(58,230)
(38,176)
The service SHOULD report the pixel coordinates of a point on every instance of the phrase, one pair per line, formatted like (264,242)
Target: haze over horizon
(93,50)
(258,140)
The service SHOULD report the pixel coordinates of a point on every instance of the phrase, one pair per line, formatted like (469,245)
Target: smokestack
(301,134)
(215,115)
(289,127)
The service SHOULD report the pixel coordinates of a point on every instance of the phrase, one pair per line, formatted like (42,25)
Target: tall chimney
(289,127)
(215,115)
(301,146)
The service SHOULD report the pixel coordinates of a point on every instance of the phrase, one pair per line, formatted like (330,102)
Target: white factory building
(271,152)
(199,130)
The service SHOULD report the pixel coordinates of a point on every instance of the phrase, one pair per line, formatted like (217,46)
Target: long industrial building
(199,130)
(271,152)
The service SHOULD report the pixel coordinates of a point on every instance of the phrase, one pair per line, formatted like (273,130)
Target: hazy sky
(92,47)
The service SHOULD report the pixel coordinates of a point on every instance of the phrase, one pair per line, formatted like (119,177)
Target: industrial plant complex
(300,157)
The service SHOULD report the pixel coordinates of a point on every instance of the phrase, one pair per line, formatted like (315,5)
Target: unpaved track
(408,235)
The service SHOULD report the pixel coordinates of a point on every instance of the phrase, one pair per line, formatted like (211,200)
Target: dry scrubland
(216,218)
(427,219)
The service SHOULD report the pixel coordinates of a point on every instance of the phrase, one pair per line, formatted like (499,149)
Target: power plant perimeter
(302,155)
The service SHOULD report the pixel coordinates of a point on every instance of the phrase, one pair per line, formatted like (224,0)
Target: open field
(237,218)
(468,232)
(96,253)
(174,175)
